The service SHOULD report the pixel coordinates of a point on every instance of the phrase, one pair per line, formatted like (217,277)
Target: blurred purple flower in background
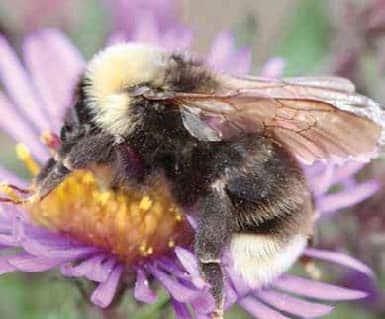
(25,15)
(323,177)
(355,41)
(370,218)
(128,14)
(153,21)
(34,104)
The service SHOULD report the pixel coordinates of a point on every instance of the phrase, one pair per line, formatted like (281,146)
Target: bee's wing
(315,118)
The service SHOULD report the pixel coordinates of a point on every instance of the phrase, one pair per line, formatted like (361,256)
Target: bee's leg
(90,149)
(213,233)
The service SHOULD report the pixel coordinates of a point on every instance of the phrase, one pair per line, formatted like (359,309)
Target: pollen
(145,203)
(132,224)
(171,243)
(23,154)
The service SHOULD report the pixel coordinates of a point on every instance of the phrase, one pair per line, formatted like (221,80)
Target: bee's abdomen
(269,192)
(272,209)
(259,259)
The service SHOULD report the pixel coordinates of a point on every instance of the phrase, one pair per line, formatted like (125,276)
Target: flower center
(127,222)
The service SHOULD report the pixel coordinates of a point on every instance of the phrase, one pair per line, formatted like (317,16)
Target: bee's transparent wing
(197,126)
(316,118)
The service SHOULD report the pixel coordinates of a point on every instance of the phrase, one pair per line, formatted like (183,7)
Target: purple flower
(128,13)
(323,177)
(151,21)
(45,234)
(358,40)
(224,56)
(102,236)
(24,16)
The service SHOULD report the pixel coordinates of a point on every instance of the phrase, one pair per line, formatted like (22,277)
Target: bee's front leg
(89,149)
(214,231)
(72,155)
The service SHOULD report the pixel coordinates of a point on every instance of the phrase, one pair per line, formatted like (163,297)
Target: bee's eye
(67,132)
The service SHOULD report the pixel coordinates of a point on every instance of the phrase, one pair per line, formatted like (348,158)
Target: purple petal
(146,30)
(346,171)
(103,270)
(320,183)
(28,263)
(115,38)
(18,86)
(341,259)
(241,287)
(37,248)
(5,227)
(19,129)
(360,281)
(105,292)
(177,38)
(120,9)
(231,296)
(189,262)
(316,289)
(170,265)
(221,50)
(204,303)
(48,54)
(49,238)
(18,231)
(9,240)
(181,310)
(142,291)
(273,68)
(223,55)
(127,13)
(7,216)
(192,221)
(294,305)
(240,62)
(314,170)
(259,310)
(178,291)
(95,268)
(331,203)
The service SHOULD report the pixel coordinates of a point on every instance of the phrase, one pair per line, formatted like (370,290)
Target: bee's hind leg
(213,233)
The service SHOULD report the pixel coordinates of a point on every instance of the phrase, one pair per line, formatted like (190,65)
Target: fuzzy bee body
(225,146)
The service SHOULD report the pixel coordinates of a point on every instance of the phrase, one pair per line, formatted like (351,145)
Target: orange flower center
(128,223)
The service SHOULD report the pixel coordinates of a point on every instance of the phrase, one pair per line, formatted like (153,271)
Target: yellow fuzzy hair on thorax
(117,68)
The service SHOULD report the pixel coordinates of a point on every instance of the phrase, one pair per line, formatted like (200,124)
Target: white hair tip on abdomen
(259,259)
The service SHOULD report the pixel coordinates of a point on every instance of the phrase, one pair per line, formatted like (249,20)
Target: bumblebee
(229,148)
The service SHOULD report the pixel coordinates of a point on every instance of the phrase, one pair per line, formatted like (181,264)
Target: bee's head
(112,82)
(73,133)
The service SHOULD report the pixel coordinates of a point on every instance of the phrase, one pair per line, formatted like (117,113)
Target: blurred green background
(313,37)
